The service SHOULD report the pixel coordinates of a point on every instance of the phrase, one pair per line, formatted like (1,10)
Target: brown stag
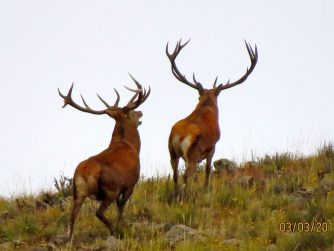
(194,137)
(112,174)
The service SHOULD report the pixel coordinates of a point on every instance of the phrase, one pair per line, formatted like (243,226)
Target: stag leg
(175,163)
(100,213)
(77,204)
(208,167)
(121,201)
(190,169)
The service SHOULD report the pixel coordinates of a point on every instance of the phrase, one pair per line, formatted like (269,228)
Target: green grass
(291,192)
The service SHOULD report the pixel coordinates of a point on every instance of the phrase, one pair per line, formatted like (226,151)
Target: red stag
(112,174)
(194,137)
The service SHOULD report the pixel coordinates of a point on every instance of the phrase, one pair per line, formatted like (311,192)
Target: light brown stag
(194,137)
(112,174)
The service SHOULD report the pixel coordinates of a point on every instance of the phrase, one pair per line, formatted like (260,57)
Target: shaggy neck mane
(126,132)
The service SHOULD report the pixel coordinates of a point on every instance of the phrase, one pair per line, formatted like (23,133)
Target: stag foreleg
(121,201)
(100,213)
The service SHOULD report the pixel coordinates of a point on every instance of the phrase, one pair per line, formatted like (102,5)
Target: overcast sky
(285,105)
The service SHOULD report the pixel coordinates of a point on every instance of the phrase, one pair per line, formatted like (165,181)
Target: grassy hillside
(279,202)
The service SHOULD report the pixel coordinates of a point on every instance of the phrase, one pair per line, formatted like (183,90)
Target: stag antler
(196,85)
(253,57)
(139,98)
(140,95)
(69,101)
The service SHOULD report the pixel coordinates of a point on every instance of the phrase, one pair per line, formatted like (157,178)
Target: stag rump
(112,174)
(194,137)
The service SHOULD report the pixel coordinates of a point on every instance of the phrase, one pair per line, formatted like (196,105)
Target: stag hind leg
(77,204)
(175,165)
(208,167)
(190,170)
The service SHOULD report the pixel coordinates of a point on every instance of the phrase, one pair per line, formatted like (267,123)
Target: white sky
(285,105)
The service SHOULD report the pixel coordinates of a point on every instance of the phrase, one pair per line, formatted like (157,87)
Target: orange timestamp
(305,227)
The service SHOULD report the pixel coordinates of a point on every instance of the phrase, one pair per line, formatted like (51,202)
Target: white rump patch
(185,144)
(181,147)
(176,142)
(81,186)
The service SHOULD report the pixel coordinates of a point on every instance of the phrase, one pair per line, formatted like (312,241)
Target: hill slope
(280,202)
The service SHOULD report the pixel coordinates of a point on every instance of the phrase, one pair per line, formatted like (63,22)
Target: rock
(298,201)
(260,185)
(38,249)
(246,181)
(144,214)
(112,243)
(272,247)
(181,232)
(308,192)
(224,165)
(6,215)
(278,188)
(160,227)
(51,199)
(18,243)
(327,183)
(232,242)
(59,240)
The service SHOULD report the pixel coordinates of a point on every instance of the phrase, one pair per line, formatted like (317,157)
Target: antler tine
(103,101)
(136,82)
(139,97)
(118,98)
(83,100)
(145,96)
(253,57)
(132,99)
(133,90)
(69,101)
(68,97)
(215,83)
(178,75)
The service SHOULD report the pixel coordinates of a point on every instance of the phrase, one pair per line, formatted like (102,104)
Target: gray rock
(307,192)
(246,181)
(18,243)
(327,183)
(112,243)
(38,249)
(181,232)
(6,215)
(224,165)
(160,227)
(59,240)
(298,201)
(232,242)
(272,247)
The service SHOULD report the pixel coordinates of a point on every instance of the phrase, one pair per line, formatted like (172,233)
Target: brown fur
(112,174)
(203,129)
(194,137)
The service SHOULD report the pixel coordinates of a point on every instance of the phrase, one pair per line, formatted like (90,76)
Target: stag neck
(208,102)
(128,133)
